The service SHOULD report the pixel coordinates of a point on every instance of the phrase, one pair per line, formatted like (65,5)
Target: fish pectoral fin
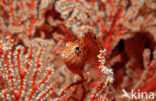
(95,73)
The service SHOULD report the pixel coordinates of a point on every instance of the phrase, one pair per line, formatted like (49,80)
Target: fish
(80,56)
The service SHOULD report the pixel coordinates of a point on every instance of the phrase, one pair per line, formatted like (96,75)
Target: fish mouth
(68,56)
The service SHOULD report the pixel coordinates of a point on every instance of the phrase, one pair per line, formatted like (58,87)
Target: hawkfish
(80,56)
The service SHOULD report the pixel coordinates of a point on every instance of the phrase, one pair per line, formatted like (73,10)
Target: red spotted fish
(80,56)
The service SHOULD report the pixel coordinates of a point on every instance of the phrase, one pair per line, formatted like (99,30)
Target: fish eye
(77,48)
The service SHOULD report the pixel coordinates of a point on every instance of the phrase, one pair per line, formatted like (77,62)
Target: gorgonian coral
(35,33)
